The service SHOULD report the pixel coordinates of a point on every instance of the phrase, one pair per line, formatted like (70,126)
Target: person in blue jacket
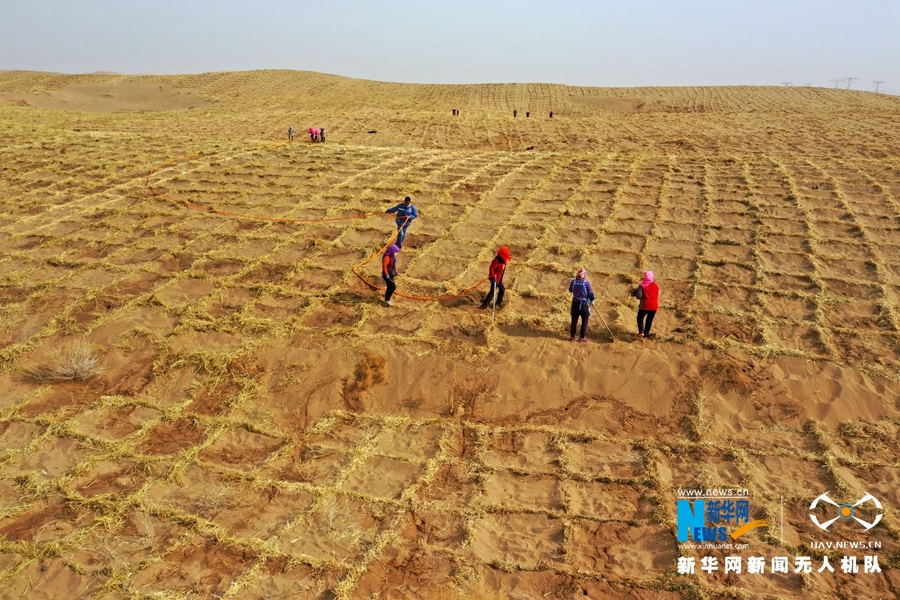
(405,212)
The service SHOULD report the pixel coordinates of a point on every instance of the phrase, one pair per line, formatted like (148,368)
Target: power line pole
(787,83)
(837,82)
(850,81)
(808,84)
(877,85)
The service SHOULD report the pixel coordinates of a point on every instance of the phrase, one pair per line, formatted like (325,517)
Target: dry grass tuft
(370,370)
(74,360)
(465,398)
(727,375)
(700,404)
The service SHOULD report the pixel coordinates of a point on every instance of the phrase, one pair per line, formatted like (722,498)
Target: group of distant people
(455,112)
(527,113)
(318,135)
(647,292)
(315,135)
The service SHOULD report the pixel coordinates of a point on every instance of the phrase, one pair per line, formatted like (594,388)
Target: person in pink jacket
(648,293)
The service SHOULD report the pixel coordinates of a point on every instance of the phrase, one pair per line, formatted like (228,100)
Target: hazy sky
(578,42)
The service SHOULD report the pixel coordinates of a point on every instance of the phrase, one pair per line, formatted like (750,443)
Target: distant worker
(515,112)
(527,113)
(648,293)
(495,274)
(551,114)
(312,134)
(405,212)
(291,133)
(454,111)
(322,135)
(389,272)
(582,300)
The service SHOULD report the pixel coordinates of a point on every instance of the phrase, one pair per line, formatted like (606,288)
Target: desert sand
(257,424)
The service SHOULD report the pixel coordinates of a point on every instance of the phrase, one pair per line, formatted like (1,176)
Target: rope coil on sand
(411,297)
(354,268)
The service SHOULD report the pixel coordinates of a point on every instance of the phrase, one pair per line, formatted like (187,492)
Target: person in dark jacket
(389,272)
(648,293)
(405,212)
(582,300)
(495,274)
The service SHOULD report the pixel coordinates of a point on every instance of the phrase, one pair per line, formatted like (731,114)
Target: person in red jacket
(495,274)
(648,293)
(389,272)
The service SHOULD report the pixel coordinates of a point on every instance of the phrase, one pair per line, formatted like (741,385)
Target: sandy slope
(266,428)
(113,97)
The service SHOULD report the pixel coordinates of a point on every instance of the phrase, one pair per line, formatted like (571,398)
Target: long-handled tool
(611,337)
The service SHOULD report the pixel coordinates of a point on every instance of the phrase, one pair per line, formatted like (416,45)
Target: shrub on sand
(74,360)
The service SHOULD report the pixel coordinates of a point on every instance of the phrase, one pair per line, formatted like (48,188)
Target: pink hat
(581,274)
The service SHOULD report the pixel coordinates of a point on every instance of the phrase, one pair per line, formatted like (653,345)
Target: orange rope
(411,297)
(289,220)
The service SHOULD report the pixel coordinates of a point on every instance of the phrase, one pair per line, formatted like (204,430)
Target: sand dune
(261,425)
(115,97)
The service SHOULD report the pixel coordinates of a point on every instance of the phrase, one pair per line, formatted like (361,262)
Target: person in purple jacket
(582,300)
